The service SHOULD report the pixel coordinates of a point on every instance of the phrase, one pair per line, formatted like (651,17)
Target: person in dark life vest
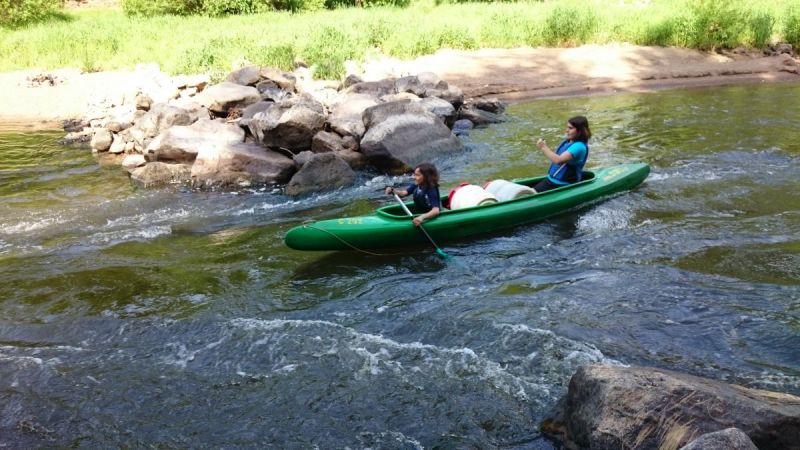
(570,156)
(425,191)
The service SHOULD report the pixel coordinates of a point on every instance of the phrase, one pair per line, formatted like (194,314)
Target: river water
(174,319)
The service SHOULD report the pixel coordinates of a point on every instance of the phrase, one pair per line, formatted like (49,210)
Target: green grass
(107,39)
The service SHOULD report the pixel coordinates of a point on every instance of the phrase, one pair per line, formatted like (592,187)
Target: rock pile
(266,126)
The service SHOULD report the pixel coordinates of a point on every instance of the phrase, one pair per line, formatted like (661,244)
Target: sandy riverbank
(509,74)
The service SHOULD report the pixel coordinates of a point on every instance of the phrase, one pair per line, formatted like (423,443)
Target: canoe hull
(390,227)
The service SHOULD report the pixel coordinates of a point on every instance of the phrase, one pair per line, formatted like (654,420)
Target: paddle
(439,251)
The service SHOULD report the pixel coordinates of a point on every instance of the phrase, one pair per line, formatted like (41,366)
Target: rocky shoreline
(263,126)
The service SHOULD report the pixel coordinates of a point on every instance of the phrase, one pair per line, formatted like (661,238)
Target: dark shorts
(545,185)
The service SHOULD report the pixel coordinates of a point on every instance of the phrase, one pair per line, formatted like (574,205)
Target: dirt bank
(510,74)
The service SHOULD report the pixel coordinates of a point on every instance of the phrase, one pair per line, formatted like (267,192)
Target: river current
(176,319)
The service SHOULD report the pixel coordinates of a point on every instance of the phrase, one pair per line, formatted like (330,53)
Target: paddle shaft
(430,239)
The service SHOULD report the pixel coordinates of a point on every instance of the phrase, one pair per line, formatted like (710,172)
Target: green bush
(149,8)
(225,7)
(328,49)
(507,29)
(298,5)
(569,25)
(761,26)
(456,38)
(791,27)
(14,13)
(716,24)
(661,33)
(278,56)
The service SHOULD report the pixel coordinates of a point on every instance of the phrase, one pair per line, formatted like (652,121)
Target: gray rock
(160,118)
(156,174)
(351,80)
(376,88)
(220,98)
(728,439)
(101,140)
(143,102)
(325,141)
(290,124)
(246,76)
(233,164)
(462,127)
(477,116)
(181,143)
(609,407)
(492,105)
(403,141)
(131,162)
(117,145)
(440,108)
(356,160)
(380,112)
(345,117)
(302,158)
(284,80)
(322,172)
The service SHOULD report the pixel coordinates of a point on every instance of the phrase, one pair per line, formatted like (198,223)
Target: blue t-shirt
(572,170)
(425,198)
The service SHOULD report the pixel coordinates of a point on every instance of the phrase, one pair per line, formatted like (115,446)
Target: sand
(508,74)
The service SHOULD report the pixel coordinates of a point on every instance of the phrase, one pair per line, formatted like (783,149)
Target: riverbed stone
(382,111)
(478,117)
(221,97)
(246,76)
(400,142)
(610,407)
(325,141)
(101,140)
(345,117)
(156,174)
(181,143)
(322,172)
(131,162)
(290,124)
(440,108)
(284,80)
(728,439)
(376,88)
(234,164)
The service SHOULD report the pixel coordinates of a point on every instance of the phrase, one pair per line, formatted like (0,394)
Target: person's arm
(427,216)
(551,155)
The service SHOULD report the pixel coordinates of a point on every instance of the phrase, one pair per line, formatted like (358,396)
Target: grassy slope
(106,39)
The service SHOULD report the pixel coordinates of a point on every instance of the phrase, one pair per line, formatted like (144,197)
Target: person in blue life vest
(568,159)
(425,192)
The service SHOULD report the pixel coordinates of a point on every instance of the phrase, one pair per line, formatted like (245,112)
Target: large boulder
(419,84)
(246,76)
(284,80)
(609,407)
(325,141)
(236,164)
(345,117)
(440,108)
(400,142)
(101,140)
(181,143)
(382,111)
(160,118)
(220,98)
(479,117)
(321,172)
(290,124)
(160,174)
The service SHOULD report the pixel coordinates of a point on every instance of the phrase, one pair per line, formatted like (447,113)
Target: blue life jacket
(570,171)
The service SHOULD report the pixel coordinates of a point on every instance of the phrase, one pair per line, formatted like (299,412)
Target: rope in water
(349,244)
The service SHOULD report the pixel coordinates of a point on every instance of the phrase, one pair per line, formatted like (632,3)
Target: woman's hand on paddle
(541,144)
(389,190)
(418,221)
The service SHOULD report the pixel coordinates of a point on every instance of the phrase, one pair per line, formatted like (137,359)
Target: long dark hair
(430,174)
(581,124)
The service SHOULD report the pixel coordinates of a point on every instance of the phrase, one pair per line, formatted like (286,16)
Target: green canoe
(389,226)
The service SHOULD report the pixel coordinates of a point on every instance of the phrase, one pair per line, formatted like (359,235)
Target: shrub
(716,24)
(298,5)
(224,7)
(278,56)
(761,30)
(14,13)
(328,49)
(661,33)
(149,8)
(505,29)
(791,27)
(456,38)
(569,24)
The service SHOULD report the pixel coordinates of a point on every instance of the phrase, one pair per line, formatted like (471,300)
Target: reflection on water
(173,318)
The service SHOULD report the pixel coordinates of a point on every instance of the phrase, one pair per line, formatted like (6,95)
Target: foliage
(149,8)
(761,26)
(328,48)
(15,13)
(716,24)
(569,24)
(791,27)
